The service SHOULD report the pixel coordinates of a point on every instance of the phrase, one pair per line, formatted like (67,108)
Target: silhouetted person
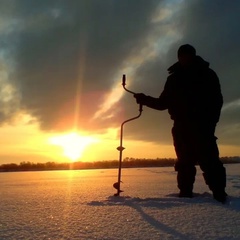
(192,96)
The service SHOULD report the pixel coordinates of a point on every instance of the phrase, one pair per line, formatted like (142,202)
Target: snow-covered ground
(81,205)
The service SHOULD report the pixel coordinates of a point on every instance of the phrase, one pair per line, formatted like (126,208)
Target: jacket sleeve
(160,103)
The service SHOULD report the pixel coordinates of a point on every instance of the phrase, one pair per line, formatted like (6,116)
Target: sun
(72,144)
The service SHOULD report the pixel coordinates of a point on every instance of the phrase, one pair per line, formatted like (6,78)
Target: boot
(185,179)
(220,196)
(216,180)
(185,194)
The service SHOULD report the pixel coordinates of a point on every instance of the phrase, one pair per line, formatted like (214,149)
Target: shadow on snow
(170,201)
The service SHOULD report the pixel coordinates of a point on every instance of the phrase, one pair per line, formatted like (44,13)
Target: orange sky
(25,142)
(61,67)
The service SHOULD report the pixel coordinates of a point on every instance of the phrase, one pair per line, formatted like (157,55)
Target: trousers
(196,144)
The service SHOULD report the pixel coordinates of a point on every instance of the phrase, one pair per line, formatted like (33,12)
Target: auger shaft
(121,148)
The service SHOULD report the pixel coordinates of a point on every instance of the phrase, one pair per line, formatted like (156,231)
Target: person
(192,95)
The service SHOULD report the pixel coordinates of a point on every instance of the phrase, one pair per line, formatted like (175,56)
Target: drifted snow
(81,205)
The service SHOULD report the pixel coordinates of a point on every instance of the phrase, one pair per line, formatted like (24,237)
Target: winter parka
(190,94)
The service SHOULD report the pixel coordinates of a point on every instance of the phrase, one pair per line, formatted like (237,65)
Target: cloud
(67,53)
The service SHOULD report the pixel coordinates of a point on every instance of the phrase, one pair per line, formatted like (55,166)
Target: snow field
(81,205)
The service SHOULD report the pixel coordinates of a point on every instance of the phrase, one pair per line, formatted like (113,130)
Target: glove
(141,98)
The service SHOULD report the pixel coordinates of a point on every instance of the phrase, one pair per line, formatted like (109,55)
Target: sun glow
(73,144)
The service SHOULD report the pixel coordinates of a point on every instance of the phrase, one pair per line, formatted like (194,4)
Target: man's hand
(141,98)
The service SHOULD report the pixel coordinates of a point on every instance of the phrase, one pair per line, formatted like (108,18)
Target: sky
(61,66)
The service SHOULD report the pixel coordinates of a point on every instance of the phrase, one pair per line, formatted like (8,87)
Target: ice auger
(117,184)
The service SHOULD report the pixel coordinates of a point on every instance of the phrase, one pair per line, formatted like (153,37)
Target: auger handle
(124,84)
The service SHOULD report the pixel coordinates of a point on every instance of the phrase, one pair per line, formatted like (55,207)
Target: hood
(198,63)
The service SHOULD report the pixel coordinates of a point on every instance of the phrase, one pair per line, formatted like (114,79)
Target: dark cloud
(72,49)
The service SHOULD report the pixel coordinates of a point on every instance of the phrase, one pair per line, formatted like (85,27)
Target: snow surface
(80,205)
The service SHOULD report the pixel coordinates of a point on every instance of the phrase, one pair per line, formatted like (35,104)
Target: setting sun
(73,144)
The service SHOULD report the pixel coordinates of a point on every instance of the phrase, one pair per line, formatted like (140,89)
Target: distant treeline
(127,163)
